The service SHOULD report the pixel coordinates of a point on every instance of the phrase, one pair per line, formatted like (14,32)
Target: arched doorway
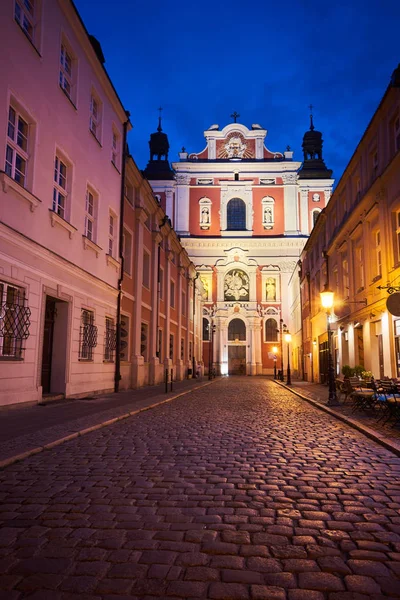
(237,347)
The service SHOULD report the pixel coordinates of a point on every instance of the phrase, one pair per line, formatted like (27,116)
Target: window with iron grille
(14,320)
(109,340)
(87,335)
(124,343)
(17,147)
(144,341)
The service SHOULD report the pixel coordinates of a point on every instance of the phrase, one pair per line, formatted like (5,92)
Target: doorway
(54,352)
(237,360)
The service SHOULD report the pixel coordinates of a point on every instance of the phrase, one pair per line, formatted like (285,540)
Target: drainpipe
(117,376)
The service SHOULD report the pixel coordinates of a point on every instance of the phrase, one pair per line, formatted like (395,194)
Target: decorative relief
(235,147)
(205,181)
(182,178)
(316,198)
(267,181)
(290,178)
(236,285)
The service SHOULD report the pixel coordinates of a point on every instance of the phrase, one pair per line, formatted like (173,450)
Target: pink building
(63,128)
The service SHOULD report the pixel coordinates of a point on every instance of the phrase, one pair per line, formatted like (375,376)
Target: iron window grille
(110,340)
(87,335)
(14,321)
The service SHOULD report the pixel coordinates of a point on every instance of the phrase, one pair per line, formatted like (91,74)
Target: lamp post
(288,339)
(211,331)
(275,351)
(327,297)
(282,327)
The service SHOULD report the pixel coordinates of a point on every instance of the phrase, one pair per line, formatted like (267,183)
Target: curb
(18,457)
(370,433)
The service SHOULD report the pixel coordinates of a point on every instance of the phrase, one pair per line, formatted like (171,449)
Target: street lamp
(288,339)
(282,327)
(327,297)
(275,351)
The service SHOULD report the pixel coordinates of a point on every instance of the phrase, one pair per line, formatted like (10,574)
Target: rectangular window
(90,215)
(171,346)
(184,304)
(146,270)
(124,343)
(127,251)
(161,283)
(14,320)
(115,146)
(182,348)
(95,116)
(24,14)
(60,187)
(17,147)
(87,335)
(378,254)
(112,232)
(144,341)
(172,294)
(359,270)
(109,340)
(345,266)
(129,193)
(66,73)
(159,349)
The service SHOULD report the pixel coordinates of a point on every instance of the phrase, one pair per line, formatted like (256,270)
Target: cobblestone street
(240,490)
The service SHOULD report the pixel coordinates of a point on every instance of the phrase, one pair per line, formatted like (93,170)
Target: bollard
(166,381)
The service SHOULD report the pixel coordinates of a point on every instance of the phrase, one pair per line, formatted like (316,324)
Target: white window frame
(112,226)
(60,186)
(96,111)
(378,254)
(67,70)
(17,146)
(24,15)
(115,147)
(91,204)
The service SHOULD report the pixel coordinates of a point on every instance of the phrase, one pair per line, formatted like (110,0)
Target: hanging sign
(393,304)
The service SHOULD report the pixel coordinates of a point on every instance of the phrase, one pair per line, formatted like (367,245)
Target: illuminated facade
(355,250)
(243,214)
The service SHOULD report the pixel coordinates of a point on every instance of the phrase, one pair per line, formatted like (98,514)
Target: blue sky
(268,61)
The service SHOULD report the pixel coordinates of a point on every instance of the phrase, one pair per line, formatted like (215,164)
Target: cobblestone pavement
(238,491)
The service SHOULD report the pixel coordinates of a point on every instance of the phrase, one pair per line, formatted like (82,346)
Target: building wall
(47,252)
(358,234)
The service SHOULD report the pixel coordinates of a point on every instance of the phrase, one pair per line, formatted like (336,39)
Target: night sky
(267,61)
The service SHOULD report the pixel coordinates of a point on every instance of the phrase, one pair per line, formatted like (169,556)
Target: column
(181,218)
(290,203)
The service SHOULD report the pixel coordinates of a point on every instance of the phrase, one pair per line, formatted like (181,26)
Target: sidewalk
(364,421)
(26,430)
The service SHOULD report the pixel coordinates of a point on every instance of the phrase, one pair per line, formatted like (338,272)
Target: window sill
(57,220)
(95,137)
(89,244)
(236,233)
(377,278)
(11,359)
(108,362)
(112,261)
(9,183)
(86,360)
(67,96)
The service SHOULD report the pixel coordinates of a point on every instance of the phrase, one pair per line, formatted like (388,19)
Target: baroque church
(243,213)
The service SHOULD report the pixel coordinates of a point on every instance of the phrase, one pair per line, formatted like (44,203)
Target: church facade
(243,214)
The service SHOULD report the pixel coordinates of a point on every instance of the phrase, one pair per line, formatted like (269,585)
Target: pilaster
(181,220)
(290,203)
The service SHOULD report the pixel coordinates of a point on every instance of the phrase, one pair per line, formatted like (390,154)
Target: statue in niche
(205,217)
(236,285)
(271,289)
(267,216)
(205,286)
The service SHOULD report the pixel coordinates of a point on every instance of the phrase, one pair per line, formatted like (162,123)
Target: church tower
(244,213)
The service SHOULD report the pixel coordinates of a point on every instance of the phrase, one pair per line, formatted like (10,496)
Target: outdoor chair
(363,398)
(388,402)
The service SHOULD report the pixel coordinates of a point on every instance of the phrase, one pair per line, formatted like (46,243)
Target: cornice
(243,243)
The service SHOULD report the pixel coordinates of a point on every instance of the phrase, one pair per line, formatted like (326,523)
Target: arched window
(236,215)
(206,330)
(271,330)
(236,330)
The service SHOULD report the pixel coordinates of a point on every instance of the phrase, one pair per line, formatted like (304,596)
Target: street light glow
(326,298)
(275,350)
(288,337)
